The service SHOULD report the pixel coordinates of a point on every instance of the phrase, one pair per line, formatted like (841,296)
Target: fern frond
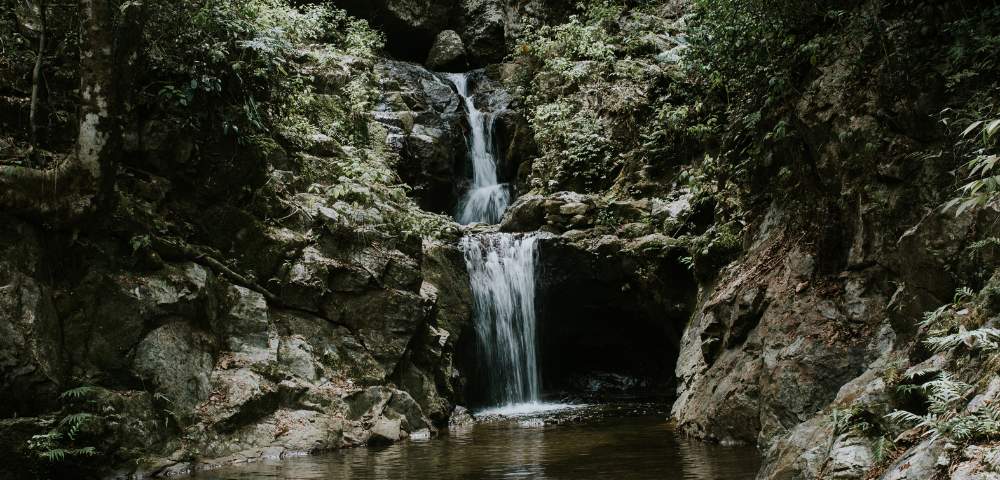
(904,418)
(77,393)
(985,338)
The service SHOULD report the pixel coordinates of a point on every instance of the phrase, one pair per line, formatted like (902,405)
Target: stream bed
(621,442)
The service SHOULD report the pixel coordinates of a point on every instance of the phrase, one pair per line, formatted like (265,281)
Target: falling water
(502,269)
(487,198)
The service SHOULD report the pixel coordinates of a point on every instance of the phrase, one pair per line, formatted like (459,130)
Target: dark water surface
(597,447)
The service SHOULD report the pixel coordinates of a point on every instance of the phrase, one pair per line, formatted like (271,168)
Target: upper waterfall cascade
(487,198)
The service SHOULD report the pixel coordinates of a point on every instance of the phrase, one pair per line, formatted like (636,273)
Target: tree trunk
(74,186)
(36,75)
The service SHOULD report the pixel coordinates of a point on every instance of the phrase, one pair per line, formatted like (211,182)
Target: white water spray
(487,198)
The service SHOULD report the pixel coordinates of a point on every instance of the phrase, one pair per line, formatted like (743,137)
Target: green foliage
(984,338)
(750,49)
(954,325)
(860,420)
(232,66)
(950,328)
(48,447)
(368,195)
(586,95)
(982,184)
(946,416)
(974,51)
(63,441)
(81,392)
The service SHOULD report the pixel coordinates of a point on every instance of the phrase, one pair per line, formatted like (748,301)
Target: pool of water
(621,443)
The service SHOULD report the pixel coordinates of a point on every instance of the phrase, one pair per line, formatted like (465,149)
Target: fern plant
(62,442)
(945,415)
(982,184)
(985,338)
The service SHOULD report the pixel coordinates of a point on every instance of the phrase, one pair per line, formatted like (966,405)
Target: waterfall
(487,198)
(502,270)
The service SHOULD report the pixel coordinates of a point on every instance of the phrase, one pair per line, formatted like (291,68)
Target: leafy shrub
(233,65)
(946,415)
(982,184)
(750,50)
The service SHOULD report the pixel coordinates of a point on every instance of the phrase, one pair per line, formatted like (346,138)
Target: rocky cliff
(763,263)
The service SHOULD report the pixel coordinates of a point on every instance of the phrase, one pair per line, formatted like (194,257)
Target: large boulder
(341,357)
(383,320)
(484,30)
(448,52)
(175,360)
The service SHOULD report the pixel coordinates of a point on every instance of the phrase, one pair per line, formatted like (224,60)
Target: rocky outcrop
(484,30)
(242,377)
(337,330)
(410,26)
(30,370)
(447,53)
(424,118)
(489,29)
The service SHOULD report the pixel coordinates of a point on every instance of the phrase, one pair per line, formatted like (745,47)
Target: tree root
(175,249)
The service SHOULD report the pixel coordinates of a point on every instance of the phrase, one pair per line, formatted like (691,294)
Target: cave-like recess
(609,326)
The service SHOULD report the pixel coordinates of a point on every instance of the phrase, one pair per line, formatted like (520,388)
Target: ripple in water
(641,447)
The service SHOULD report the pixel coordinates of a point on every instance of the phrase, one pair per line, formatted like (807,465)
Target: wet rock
(386,431)
(516,141)
(526,214)
(376,403)
(447,53)
(460,417)
(427,370)
(560,211)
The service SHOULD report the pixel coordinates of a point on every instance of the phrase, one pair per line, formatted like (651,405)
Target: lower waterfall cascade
(502,273)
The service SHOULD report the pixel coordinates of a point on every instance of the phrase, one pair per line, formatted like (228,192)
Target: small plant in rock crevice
(66,440)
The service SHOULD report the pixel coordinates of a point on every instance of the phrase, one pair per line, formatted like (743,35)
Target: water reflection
(631,448)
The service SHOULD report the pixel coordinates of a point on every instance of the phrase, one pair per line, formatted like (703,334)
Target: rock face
(29,341)
(424,117)
(447,53)
(488,28)
(242,377)
(484,30)
(351,341)
(410,26)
